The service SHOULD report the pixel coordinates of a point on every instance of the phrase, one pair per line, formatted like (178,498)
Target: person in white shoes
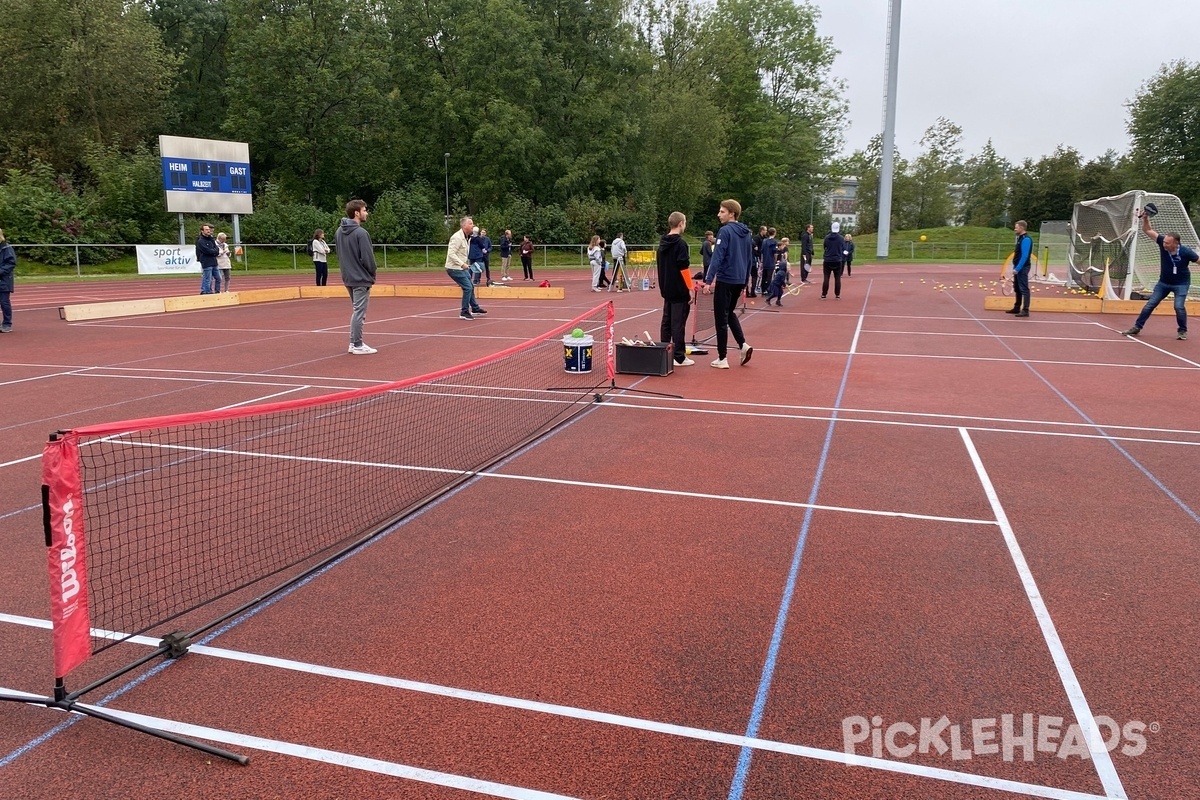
(356,262)
(726,278)
(673,265)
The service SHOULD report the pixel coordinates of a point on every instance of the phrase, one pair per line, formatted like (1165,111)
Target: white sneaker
(687,362)
(597,289)
(362,349)
(746,351)
(721,363)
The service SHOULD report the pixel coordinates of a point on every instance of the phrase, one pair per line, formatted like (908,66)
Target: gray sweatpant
(359,295)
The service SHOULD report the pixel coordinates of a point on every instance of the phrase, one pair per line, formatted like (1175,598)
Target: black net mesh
(179,515)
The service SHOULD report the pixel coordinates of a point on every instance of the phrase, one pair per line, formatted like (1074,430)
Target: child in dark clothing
(778,282)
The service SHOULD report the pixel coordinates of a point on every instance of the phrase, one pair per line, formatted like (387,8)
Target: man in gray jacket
(356,261)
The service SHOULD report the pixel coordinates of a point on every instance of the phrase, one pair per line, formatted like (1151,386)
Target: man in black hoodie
(206,254)
(674,262)
(356,261)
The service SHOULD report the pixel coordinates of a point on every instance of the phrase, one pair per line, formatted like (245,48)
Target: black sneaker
(1134,331)
(1012,311)
(1022,314)
(465,315)
(1181,336)
(478,311)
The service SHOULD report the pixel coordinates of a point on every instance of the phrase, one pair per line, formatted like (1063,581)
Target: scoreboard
(192,175)
(206,176)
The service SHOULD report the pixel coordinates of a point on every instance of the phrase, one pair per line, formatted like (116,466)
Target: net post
(66,553)
(610,358)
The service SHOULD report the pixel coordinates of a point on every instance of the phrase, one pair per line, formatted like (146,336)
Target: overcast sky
(1028,74)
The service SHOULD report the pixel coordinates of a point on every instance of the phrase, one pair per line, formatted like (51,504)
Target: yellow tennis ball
(922,237)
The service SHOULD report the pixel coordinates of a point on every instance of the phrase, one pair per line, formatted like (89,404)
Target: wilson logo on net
(67,555)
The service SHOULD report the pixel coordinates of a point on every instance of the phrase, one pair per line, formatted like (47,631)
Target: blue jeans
(463,278)
(209,277)
(1161,290)
(1021,289)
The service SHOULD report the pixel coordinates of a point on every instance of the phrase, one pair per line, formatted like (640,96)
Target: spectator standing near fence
(849,253)
(320,256)
(485,243)
(706,250)
(505,254)
(1174,277)
(459,267)
(726,276)
(595,254)
(527,257)
(356,261)
(224,265)
(1021,263)
(206,254)
(674,262)
(8,268)
(619,253)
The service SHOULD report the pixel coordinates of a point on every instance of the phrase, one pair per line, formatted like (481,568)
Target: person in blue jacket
(726,278)
(1021,260)
(1174,276)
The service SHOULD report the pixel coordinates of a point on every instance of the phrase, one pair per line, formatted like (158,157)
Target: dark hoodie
(731,255)
(673,261)
(356,258)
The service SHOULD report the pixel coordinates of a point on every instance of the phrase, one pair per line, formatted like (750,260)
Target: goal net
(1109,255)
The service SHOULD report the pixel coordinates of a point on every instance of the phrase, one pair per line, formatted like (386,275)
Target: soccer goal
(1109,255)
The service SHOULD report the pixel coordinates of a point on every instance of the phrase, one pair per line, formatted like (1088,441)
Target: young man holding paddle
(1174,276)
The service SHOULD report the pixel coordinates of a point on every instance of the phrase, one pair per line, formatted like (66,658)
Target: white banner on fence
(165,259)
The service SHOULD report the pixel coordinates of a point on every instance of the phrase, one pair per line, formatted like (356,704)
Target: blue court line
(1132,460)
(45,737)
(738,785)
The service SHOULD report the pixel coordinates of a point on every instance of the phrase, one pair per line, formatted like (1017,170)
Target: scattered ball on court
(922,237)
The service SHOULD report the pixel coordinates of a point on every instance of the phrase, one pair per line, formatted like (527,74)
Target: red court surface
(913,549)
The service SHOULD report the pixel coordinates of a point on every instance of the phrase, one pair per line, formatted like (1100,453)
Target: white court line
(1106,340)
(930,415)
(897,423)
(991,359)
(601,717)
(559,481)
(321,755)
(1083,713)
(44,377)
(1144,343)
(264,397)
(20,460)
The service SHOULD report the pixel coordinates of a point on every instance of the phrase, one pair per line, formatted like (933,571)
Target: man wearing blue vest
(1021,261)
(1173,276)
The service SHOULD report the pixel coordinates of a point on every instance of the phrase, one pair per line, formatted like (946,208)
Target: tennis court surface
(911,549)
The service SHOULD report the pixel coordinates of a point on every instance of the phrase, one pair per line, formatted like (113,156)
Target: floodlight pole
(447,170)
(889,133)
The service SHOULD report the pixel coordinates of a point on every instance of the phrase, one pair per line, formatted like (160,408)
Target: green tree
(197,32)
(1046,189)
(78,72)
(937,167)
(867,165)
(1105,176)
(1164,127)
(682,131)
(783,109)
(308,90)
(985,189)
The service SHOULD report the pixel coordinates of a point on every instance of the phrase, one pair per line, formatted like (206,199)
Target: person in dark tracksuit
(832,262)
(1021,260)
(770,254)
(673,263)
(806,253)
(756,261)
(726,278)
(849,253)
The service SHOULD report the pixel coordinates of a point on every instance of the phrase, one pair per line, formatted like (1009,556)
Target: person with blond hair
(224,265)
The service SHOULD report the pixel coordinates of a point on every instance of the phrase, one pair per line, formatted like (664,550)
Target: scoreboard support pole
(182,230)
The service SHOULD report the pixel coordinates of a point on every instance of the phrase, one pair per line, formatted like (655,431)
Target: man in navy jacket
(726,278)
